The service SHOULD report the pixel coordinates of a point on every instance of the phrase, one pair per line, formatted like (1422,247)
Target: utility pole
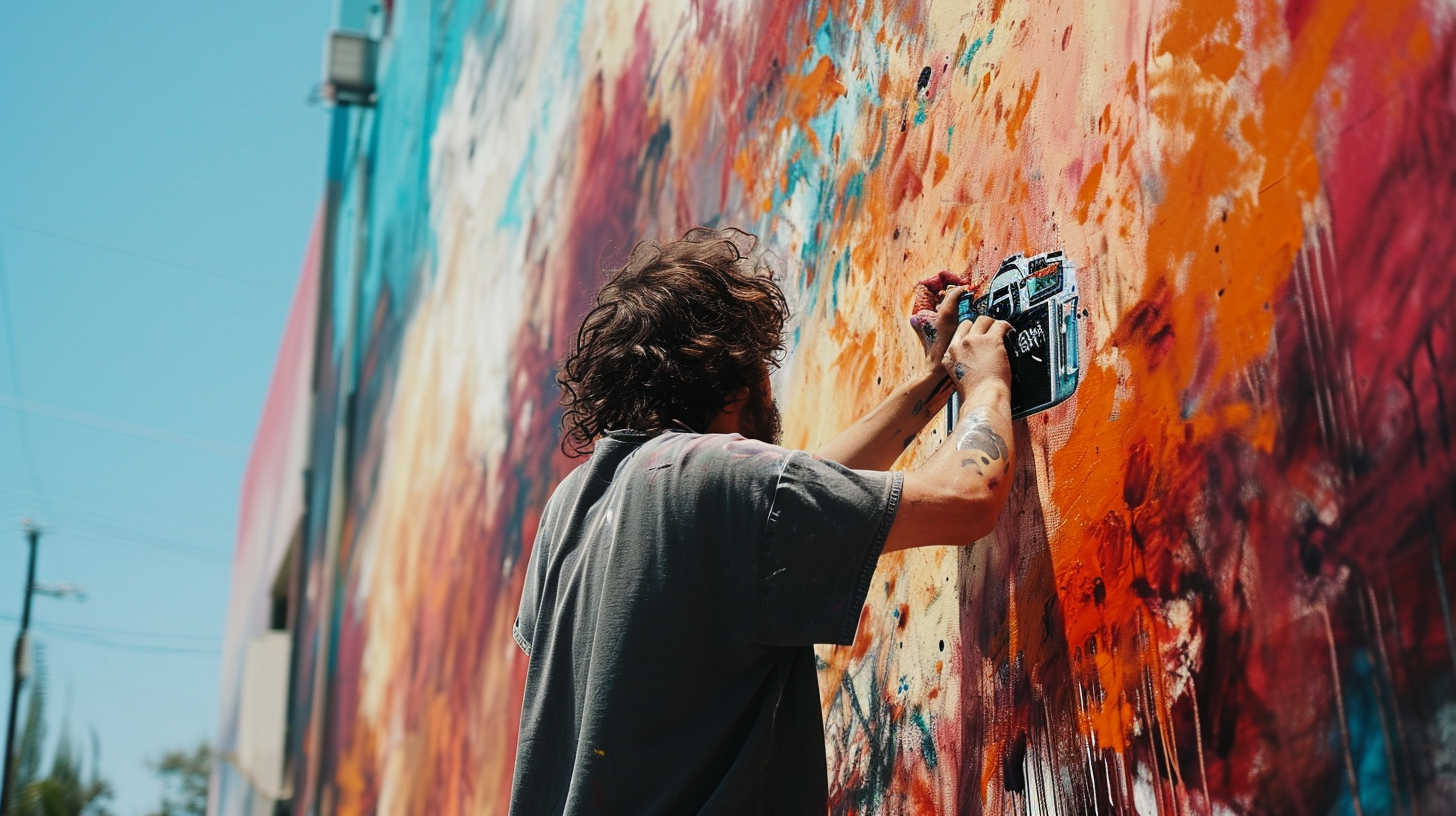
(22,669)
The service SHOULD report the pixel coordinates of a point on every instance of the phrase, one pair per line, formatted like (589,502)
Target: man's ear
(729,419)
(736,402)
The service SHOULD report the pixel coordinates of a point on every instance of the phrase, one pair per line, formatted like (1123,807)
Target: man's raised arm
(955,496)
(878,438)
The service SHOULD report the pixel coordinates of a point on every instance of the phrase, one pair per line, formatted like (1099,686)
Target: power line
(127,513)
(137,648)
(117,426)
(201,554)
(104,498)
(115,522)
(96,543)
(104,631)
(129,535)
(113,538)
(9,320)
(129,253)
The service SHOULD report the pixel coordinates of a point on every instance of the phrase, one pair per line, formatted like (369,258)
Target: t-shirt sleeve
(825,528)
(524,629)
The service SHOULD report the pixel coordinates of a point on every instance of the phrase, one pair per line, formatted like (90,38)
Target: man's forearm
(877,439)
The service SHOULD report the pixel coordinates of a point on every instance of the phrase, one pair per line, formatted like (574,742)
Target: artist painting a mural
(1221,582)
(681,530)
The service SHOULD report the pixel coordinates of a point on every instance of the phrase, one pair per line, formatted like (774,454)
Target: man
(681,576)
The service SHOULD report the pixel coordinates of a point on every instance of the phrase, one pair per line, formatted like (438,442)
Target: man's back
(675,588)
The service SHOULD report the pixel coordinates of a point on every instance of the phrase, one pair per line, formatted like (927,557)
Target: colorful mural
(1222,584)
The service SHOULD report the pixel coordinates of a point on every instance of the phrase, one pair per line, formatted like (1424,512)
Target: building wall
(1222,581)
(270,510)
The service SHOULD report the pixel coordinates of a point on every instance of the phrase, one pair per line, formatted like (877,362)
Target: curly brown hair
(673,334)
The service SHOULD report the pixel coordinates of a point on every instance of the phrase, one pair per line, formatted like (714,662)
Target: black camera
(1038,297)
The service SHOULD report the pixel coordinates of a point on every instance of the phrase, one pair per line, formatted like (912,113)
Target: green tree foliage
(32,735)
(184,781)
(67,789)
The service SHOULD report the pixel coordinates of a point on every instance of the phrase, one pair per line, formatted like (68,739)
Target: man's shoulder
(572,480)
(676,461)
(711,455)
(564,493)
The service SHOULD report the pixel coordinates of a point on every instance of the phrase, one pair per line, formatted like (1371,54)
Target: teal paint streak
(348,223)
(824,38)
(842,266)
(927,740)
(517,205)
(1368,741)
(852,196)
(971,50)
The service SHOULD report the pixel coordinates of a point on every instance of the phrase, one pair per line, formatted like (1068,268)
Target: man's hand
(976,356)
(933,315)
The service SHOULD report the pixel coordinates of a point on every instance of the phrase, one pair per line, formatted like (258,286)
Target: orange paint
(1017,116)
(1088,192)
(1262,231)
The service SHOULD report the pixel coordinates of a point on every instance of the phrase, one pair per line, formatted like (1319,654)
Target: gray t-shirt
(675,590)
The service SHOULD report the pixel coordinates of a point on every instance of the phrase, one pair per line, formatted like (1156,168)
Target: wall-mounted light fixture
(349,68)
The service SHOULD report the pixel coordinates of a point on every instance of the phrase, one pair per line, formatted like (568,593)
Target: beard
(761,418)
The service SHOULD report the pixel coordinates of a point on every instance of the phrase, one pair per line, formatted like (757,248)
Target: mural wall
(1222,584)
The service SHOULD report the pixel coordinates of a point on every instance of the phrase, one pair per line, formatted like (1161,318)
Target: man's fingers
(999,329)
(952,298)
(983,324)
(962,330)
(945,313)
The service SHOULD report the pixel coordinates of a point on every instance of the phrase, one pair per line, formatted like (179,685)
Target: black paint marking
(924,80)
(1440,395)
(1013,770)
(941,386)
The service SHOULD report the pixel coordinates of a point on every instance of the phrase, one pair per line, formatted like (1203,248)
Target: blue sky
(159,171)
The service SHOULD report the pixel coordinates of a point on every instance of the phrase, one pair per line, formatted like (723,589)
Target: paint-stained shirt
(671,601)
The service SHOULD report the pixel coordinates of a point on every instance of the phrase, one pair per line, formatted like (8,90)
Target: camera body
(1038,297)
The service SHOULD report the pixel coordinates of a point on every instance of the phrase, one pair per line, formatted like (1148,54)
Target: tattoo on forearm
(922,404)
(930,334)
(982,440)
